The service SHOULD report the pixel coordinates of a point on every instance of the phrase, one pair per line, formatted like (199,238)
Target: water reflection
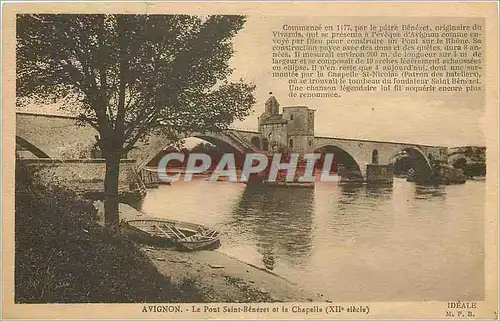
(368,195)
(349,194)
(280,220)
(379,192)
(371,243)
(429,191)
(358,209)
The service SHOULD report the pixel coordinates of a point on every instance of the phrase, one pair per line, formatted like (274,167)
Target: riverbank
(217,276)
(222,278)
(62,254)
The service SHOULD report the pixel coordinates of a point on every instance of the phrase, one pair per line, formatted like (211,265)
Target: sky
(439,119)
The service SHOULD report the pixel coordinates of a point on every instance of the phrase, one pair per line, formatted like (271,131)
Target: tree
(209,149)
(133,75)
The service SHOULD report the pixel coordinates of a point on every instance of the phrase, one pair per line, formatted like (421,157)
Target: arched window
(375,156)
(291,117)
(290,143)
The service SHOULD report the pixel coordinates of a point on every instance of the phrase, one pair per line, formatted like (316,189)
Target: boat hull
(202,245)
(162,232)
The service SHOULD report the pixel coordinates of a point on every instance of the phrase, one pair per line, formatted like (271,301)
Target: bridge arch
(412,158)
(222,141)
(344,158)
(23,143)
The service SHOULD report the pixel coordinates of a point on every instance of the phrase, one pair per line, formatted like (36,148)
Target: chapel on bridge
(292,130)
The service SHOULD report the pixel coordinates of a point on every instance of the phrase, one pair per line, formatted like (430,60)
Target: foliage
(470,169)
(134,73)
(209,149)
(63,255)
(131,75)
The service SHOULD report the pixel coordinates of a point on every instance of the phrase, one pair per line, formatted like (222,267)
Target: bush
(471,169)
(63,255)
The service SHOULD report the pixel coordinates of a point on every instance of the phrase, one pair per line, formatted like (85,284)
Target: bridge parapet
(55,135)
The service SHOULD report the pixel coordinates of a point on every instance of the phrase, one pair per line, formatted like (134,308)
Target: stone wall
(301,143)
(276,134)
(300,128)
(57,136)
(297,117)
(379,174)
(80,175)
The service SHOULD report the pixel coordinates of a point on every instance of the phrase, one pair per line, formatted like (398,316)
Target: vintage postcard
(250,160)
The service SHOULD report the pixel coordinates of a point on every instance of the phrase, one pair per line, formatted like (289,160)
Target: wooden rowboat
(187,236)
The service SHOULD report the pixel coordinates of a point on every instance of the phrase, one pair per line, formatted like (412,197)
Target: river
(399,243)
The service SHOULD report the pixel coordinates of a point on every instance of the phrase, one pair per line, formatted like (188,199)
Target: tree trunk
(111,216)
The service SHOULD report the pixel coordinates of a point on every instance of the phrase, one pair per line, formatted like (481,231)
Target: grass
(63,255)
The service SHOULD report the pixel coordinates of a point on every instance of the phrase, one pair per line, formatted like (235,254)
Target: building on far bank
(292,130)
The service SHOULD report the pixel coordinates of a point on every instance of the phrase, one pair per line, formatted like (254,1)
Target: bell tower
(272,105)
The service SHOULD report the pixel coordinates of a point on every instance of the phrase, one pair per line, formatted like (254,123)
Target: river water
(400,243)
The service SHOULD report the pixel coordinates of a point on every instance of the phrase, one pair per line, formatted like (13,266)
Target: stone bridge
(360,153)
(51,136)
(59,137)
